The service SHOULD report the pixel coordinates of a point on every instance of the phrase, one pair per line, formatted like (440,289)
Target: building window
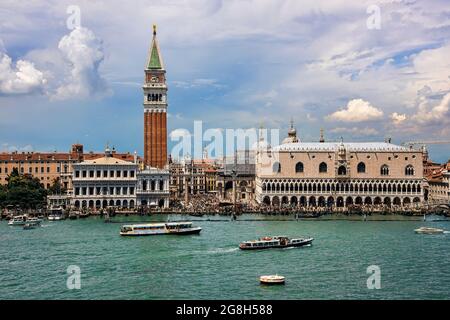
(77,191)
(409,170)
(91,173)
(299,167)
(342,171)
(42,169)
(361,167)
(384,170)
(111,173)
(132,173)
(48,169)
(118,173)
(77,173)
(58,169)
(99,173)
(276,168)
(84,173)
(105,173)
(132,190)
(125,173)
(323,167)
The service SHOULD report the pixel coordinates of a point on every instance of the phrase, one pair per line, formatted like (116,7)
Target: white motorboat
(179,228)
(429,230)
(18,220)
(272,279)
(22,220)
(275,242)
(56,214)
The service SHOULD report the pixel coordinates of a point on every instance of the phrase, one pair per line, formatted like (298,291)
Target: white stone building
(153,187)
(104,182)
(339,174)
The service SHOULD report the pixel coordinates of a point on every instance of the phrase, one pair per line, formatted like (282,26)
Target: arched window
(384,170)
(361,167)
(323,167)
(276,168)
(342,171)
(409,170)
(299,167)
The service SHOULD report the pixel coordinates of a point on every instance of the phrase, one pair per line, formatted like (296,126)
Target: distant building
(339,174)
(153,188)
(439,184)
(197,176)
(236,178)
(48,166)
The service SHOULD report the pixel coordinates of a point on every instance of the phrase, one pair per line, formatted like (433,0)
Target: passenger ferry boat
(22,220)
(148,229)
(274,242)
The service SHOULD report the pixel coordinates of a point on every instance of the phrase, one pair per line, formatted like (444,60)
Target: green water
(33,263)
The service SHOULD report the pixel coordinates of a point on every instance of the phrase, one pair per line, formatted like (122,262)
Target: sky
(72,71)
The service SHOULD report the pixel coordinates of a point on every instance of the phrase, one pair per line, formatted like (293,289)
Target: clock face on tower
(154,79)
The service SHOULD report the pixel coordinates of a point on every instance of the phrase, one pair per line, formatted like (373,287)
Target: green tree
(24,191)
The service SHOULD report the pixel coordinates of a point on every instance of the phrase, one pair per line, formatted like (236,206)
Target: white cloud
(438,114)
(398,118)
(357,110)
(84,52)
(23,78)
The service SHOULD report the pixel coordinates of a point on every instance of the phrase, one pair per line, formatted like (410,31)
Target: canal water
(33,263)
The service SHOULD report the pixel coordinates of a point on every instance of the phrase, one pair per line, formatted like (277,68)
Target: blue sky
(231,64)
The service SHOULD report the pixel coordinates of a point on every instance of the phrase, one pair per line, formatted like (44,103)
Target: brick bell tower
(155,108)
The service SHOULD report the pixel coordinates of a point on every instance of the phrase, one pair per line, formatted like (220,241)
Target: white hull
(13,222)
(160,232)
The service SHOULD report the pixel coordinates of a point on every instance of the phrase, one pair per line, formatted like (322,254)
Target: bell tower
(155,108)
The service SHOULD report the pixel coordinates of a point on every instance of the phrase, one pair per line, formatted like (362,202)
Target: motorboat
(22,220)
(56,214)
(272,279)
(18,220)
(275,242)
(177,228)
(429,230)
(73,215)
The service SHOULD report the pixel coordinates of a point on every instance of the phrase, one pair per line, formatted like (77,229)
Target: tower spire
(155,60)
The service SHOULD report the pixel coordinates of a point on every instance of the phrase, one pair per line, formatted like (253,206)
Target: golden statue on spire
(154,29)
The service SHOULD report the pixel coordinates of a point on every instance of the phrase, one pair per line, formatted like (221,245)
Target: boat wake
(446,232)
(221,250)
(47,225)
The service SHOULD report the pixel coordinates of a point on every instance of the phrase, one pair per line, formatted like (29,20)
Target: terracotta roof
(58,156)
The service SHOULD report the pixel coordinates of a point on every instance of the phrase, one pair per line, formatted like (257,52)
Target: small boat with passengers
(148,229)
(275,242)
(22,220)
(429,230)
